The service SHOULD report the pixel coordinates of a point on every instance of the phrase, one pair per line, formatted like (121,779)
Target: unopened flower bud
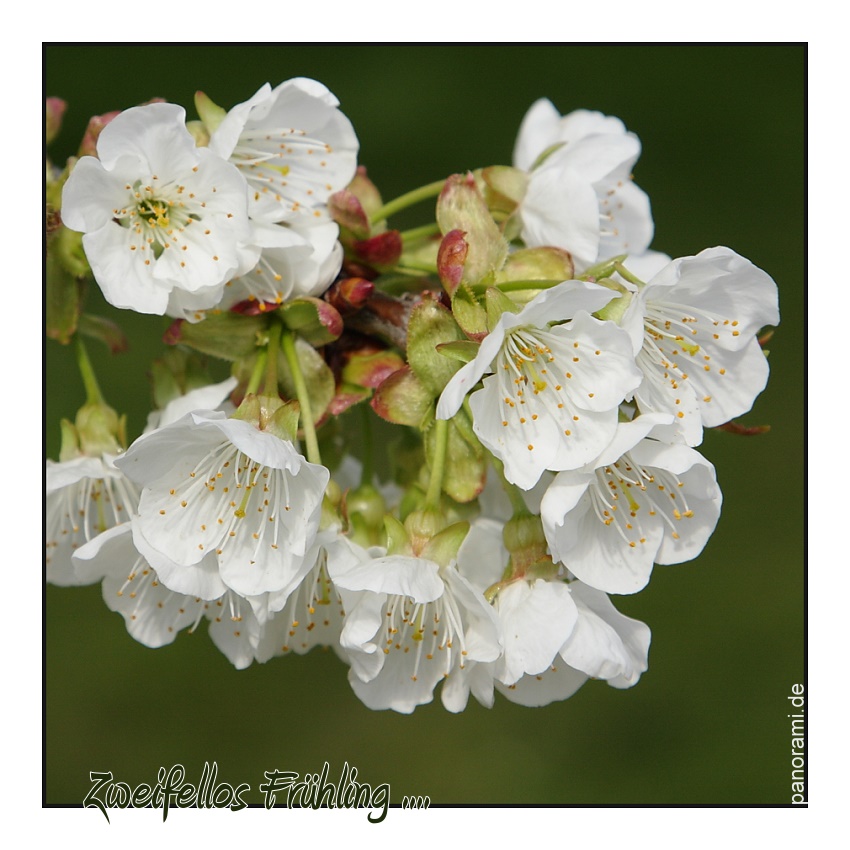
(54,110)
(88,146)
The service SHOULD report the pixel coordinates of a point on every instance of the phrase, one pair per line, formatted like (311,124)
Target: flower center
(157,214)
(428,630)
(625,492)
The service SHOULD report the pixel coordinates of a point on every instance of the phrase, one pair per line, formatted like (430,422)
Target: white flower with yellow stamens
(640,502)
(693,328)
(213,485)
(412,625)
(294,261)
(604,644)
(85,496)
(552,400)
(158,213)
(154,614)
(294,147)
(581,197)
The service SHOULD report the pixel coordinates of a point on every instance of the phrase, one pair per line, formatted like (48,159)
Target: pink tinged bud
(402,399)
(105,331)
(365,191)
(54,110)
(347,211)
(380,251)
(451,258)
(346,397)
(371,370)
(350,294)
(314,319)
(88,146)
(461,206)
(172,334)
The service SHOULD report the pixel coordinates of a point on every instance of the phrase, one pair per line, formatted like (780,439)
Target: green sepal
(100,430)
(497,303)
(270,413)
(616,308)
(177,372)
(462,207)
(547,263)
(443,546)
(431,324)
(398,543)
(318,377)
(199,132)
(403,399)
(504,187)
(313,319)
(284,421)
(226,335)
(210,113)
(70,445)
(469,313)
(62,300)
(67,245)
(544,155)
(463,350)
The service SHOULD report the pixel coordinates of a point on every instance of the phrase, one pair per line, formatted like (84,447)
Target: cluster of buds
(540,377)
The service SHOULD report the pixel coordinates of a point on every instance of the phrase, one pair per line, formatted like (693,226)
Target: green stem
(407,200)
(413,268)
(424,232)
(307,423)
(514,285)
(93,393)
(438,467)
(270,383)
(257,374)
(624,272)
(366,454)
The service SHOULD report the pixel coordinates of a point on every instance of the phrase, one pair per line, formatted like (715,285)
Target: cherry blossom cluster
(539,380)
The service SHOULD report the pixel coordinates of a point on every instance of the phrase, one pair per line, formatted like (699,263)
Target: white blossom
(213,485)
(640,502)
(551,402)
(693,328)
(580,194)
(413,625)
(294,147)
(160,215)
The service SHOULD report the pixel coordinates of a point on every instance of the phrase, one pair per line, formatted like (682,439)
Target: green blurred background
(723,162)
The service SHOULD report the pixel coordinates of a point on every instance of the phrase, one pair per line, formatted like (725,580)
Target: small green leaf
(463,350)
(469,312)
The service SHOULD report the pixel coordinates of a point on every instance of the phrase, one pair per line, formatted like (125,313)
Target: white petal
(559,682)
(536,621)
